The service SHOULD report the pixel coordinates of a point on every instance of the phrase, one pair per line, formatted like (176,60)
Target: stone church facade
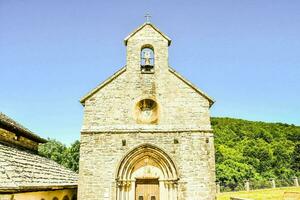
(146,131)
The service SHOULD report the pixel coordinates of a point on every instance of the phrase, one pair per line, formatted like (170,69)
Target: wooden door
(147,189)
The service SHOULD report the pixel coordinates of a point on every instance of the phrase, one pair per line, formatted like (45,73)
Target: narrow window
(141,198)
(147,60)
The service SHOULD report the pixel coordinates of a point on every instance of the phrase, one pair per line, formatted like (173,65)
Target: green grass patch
(266,194)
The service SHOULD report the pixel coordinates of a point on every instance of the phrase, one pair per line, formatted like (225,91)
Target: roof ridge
(211,100)
(16,126)
(142,26)
(102,84)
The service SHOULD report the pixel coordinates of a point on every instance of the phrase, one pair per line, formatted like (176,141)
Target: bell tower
(147,50)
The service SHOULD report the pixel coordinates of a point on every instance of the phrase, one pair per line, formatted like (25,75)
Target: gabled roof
(123,69)
(11,125)
(24,171)
(211,101)
(101,85)
(142,26)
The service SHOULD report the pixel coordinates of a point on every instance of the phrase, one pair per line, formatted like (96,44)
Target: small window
(207,140)
(153,198)
(141,198)
(147,60)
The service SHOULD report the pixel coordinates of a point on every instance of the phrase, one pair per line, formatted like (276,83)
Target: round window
(147,111)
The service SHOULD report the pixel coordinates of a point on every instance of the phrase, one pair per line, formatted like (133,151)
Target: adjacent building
(24,175)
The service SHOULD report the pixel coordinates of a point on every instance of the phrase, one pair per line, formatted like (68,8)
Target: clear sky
(245,54)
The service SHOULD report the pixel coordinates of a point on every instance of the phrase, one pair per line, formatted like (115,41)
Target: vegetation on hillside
(244,150)
(255,151)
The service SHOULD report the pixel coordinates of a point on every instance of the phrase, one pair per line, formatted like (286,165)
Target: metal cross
(148,17)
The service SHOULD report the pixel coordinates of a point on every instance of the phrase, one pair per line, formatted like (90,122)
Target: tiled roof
(21,170)
(13,126)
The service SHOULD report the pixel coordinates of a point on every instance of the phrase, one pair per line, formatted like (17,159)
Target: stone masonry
(177,149)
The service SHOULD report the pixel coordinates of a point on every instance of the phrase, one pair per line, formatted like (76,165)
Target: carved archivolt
(146,162)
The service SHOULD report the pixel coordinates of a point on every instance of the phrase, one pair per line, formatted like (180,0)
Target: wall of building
(113,107)
(110,117)
(68,194)
(193,155)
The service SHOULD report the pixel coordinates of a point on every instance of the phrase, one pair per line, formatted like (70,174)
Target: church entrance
(146,173)
(147,189)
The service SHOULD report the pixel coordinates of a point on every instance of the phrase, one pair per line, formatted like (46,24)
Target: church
(146,132)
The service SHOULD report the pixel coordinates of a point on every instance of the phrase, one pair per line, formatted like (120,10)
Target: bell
(147,57)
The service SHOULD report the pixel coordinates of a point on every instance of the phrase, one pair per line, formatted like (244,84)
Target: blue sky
(245,54)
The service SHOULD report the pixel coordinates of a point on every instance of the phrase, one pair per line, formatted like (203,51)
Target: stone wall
(113,107)
(193,155)
(67,194)
(180,106)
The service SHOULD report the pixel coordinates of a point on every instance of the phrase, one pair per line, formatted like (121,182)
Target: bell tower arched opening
(147,59)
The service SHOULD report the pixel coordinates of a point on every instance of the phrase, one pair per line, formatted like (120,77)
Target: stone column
(175,192)
(272,180)
(218,188)
(123,192)
(296,183)
(119,190)
(171,190)
(128,184)
(161,189)
(247,185)
(132,190)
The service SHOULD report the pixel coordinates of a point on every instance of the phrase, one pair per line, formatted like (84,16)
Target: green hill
(255,150)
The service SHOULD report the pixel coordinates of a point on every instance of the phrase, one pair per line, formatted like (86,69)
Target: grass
(266,194)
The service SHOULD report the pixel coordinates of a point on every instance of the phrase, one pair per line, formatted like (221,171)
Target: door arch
(146,162)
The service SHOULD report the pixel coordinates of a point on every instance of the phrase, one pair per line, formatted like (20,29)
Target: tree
(71,156)
(54,150)
(271,149)
(66,156)
(233,174)
(296,158)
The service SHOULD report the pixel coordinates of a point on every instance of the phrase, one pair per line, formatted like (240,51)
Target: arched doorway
(147,173)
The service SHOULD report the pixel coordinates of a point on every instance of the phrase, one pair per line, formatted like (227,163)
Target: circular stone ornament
(146,111)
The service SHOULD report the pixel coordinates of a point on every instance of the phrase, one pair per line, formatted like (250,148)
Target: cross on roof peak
(148,17)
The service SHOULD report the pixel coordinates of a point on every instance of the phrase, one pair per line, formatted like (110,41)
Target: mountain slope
(255,150)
